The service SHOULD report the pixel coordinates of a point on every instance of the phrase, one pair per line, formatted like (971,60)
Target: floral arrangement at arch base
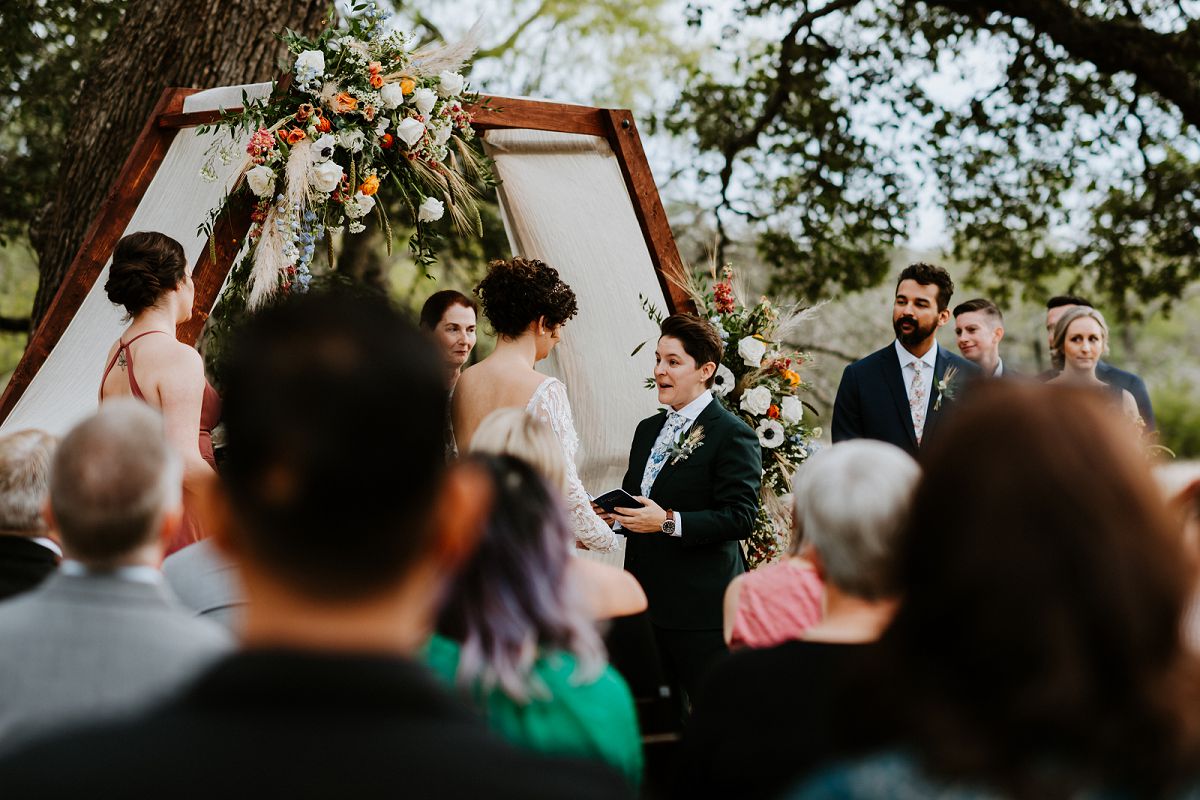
(760,381)
(357,116)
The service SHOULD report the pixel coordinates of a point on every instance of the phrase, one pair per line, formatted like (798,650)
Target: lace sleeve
(550,404)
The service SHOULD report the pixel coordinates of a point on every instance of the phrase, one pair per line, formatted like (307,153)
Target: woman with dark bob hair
(1037,652)
(527,304)
(150,278)
(449,316)
(517,639)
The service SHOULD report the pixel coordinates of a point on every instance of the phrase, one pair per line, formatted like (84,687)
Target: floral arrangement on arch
(357,116)
(760,381)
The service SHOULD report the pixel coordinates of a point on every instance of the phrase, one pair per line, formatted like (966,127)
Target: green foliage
(18,282)
(48,48)
(1051,165)
(1178,417)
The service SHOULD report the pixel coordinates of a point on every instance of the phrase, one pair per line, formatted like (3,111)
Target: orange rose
(773,411)
(370,185)
(294,135)
(369,112)
(791,377)
(407,85)
(343,102)
(386,141)
(304,112)
(377,80)
(324,126)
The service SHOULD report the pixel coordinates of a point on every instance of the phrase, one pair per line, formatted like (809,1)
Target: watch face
(668,526)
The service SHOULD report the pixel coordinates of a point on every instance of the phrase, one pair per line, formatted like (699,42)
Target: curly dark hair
(926,274)
(519,291)
(145,266)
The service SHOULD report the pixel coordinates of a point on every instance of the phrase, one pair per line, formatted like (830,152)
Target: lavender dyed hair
(512,602)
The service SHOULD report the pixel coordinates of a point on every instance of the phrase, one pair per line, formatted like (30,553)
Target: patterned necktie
(917,402)
(662,448)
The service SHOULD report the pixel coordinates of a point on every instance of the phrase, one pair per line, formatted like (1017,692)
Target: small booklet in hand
(617,498)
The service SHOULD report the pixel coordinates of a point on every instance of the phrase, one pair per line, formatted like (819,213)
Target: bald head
(113,482)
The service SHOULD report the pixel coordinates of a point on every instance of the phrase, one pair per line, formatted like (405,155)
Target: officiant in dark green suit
(697,468)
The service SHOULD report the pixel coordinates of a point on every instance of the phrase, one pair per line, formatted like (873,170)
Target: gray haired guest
(28,551)
(103,636)
(851,504)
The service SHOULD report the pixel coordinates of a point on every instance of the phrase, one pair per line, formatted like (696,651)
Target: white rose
(431,210)
(423,99)
(261,180)
(752,351)
(310,63)
(451,84)
(324,146)
(391,94)
(359,206)
(410,131)
(326,176)
(791,409)
(723,381)
(382,126)
(441,133)
(770,433)
(756,400)
(351,140)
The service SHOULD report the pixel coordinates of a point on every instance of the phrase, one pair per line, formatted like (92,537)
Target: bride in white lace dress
(527,304)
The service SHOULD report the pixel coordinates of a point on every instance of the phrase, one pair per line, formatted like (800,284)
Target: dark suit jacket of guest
(872,400)
(300,725)
(1121,379)
(23,564)
(715,490)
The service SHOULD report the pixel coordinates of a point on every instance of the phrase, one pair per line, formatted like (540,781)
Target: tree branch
(516,34)
(1113,46)
(14,325)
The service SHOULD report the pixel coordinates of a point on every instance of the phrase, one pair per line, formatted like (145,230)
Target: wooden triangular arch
(150,149)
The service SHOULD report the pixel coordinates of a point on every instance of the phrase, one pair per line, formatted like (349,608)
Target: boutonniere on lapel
(945,387)
(682,449)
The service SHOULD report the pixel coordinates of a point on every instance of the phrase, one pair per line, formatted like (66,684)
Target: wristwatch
(668,526)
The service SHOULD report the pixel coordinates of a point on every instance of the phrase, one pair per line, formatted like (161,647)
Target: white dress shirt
(134,573)
(691,412)
(999,368)
(928,364)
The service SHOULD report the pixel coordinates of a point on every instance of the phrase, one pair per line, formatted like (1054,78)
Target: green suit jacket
(715,491)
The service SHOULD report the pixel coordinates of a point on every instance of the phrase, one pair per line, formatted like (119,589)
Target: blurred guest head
(25,481)
(1038,645)
(450,317)
(1080,339)
(115,487)
(512,432)
(850,502)
(335,471)
(921,305)
(513,597)
(1057,306)
(979,327)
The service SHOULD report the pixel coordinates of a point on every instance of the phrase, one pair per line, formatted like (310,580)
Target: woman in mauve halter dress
(150,277)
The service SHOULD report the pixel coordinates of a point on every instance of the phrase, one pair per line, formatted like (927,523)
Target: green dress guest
(517,640)
(697,470)
(591,720)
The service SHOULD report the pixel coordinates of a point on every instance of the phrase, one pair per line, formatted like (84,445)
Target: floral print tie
(662,448)
(917,401)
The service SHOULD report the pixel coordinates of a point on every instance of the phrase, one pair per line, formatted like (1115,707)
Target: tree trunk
(200,43)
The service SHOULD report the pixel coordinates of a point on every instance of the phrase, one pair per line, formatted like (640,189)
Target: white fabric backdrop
(564,201)
(176,202)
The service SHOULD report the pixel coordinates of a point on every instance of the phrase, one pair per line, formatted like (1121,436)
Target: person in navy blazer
(895,394)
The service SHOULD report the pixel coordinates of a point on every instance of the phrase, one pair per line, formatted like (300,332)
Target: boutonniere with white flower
(688,445)
(945,387)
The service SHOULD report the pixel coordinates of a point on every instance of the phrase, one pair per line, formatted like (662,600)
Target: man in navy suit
(899,393)
(1061,304)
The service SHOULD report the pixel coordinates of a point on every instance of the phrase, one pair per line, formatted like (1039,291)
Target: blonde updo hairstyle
(1057,356)
(512,432)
